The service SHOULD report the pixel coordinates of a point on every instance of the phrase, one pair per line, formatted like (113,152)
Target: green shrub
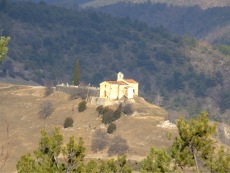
(107,116)
(82,106)
(225,49)
(116,114)
(110,116)
(128,109)
(100,110)
(68,122)
(112,127)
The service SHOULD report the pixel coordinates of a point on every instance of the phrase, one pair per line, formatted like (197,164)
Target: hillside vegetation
(21,124)
(211,24)
(206,20)
(134,136)
(102,3)
(193,142)
(173,71)
(201,3)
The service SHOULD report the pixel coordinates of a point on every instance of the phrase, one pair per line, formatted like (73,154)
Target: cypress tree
(76,75)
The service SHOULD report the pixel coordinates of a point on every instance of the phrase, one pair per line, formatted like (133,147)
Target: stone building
(120,88)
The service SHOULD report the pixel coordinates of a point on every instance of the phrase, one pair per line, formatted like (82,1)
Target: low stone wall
(70,89)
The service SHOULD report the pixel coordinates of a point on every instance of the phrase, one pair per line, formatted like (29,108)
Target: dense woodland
(45,41)
(99,3)
(210,24)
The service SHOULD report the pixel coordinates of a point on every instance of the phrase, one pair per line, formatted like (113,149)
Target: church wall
(113,92)
(129,92)
(135,87)
(104,89)
(121,91)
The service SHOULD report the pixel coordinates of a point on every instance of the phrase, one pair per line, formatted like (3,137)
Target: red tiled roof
(130,81)
(117,82)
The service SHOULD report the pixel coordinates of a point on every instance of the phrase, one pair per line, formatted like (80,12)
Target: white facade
(119,89)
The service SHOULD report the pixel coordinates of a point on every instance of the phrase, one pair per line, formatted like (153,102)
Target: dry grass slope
(19,107)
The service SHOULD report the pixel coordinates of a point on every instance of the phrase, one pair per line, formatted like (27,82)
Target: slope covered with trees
(173,71)
(100,3)
(202,19)
(210,24)
(201,3)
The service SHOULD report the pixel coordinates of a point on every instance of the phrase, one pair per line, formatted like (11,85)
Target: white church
(119,89)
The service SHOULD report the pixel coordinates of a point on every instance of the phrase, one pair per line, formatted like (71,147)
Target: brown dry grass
(19,107)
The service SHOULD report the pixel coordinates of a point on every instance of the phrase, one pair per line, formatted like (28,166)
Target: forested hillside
(208,20)
(211,24)
(173,71)
(100,3)
(201,3)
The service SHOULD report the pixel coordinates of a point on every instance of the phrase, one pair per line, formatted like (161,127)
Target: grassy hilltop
(20,107)
(177,72)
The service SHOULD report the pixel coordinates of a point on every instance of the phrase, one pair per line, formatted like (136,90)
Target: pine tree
(75,155)
(52,156)
(195,142)
(158,161)
(76,75)
(46,157)
(193,148)
(119,165)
